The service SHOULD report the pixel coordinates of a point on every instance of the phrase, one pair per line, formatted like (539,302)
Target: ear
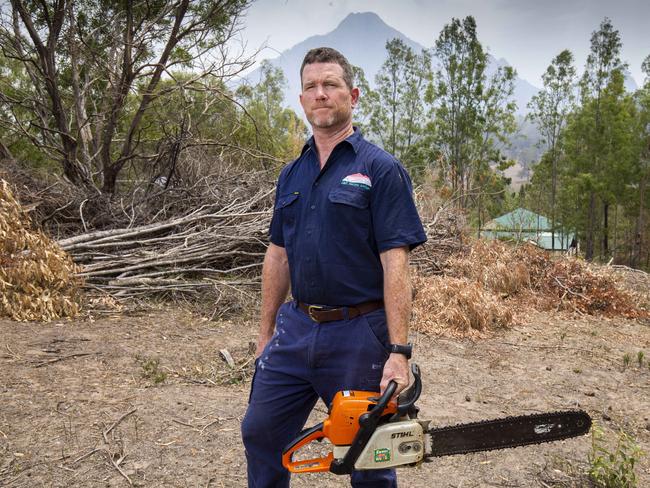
(355,93)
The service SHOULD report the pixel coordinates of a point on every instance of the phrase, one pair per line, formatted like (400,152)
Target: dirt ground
(148,397)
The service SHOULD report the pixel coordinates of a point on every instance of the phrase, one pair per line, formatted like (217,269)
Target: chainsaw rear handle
(407,399)
(367,425)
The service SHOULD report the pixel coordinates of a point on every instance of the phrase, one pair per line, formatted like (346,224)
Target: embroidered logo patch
(358,180)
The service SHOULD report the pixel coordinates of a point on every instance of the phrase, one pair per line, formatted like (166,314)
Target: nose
(320,93)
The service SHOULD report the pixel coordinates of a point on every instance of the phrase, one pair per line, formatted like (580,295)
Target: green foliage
(594,174)
(264,123)
(627,358)
(85,75)
(396,114)
(639,358)
(613,468)
(16,131)
(151,369)
(549,110)
(472,113)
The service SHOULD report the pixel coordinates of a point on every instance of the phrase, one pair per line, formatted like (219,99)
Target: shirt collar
(354,140)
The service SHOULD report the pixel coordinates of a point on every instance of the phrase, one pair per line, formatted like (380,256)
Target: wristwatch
(405,349)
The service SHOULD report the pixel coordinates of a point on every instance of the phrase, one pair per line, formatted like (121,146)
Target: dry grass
(456,306)
(37,279)
(484,288)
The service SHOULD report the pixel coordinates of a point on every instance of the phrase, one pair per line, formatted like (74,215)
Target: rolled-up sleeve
(394,215)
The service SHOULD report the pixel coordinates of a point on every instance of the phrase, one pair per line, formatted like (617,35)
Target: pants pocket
(250,393)
(378,331)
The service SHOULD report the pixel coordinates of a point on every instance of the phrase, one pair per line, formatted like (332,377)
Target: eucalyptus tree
(642,97)
(368,100)
(603,67)
(472,112)
(265,124)
(549,110)
(95,67)
(397,112)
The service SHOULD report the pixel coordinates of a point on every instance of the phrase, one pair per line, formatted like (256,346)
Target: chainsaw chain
(580,424)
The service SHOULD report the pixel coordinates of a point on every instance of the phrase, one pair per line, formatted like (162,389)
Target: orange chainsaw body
(340,428)
(343,422)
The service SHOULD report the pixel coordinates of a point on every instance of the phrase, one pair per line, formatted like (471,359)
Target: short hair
(329,55)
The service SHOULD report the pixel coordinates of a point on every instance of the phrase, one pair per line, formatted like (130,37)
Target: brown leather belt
(319,313)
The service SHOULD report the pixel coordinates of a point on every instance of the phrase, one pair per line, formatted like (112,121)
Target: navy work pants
(304,361)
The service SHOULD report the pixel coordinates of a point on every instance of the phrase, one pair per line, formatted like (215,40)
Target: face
(326,98)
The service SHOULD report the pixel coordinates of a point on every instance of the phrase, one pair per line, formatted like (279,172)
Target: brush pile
(214,245)
(483,289)
(37,278)
(444,228)
(457,307)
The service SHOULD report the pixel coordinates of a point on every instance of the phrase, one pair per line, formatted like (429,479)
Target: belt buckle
(312,308)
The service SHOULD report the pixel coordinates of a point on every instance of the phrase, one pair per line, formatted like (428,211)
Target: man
(343,224)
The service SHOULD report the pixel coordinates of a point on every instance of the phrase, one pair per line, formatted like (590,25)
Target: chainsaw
(368,431)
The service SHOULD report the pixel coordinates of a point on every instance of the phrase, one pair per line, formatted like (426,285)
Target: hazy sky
(528,33)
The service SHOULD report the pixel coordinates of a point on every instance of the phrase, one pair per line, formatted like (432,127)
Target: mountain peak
(361,20)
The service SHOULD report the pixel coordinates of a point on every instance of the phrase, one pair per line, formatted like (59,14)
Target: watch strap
(405,349)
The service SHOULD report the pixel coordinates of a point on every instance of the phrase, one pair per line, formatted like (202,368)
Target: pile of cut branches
(455,306)
(571,282)
(210,245)
(38,280)
(445,239)
(481,289)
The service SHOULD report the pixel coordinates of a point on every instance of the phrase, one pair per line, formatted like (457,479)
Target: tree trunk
(640,223)
(589,251)
(110,179)
(5,153)
(605,229)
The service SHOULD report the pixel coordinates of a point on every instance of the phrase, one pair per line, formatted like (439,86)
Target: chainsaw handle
(313,465)
(367,424)
(382,401)
(407,399)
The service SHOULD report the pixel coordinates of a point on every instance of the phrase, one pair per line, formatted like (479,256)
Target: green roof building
(525,226)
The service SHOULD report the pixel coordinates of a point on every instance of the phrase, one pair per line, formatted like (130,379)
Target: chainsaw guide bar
(505,433)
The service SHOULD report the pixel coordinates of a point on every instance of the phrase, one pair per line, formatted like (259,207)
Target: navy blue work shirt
(334,223)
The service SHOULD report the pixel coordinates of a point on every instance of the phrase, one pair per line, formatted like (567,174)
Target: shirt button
(316,184)
(308,232)
(313,207)
(308,260)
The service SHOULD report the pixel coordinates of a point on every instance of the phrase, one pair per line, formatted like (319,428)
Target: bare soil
(149,395)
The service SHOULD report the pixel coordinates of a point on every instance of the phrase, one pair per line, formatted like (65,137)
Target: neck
(326,139)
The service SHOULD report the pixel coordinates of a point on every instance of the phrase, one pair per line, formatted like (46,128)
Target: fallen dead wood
(183,254)
(116,423)
(63,358)
(213,246)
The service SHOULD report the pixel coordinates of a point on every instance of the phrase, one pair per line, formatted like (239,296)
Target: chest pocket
(355,198)
(288,207)
(350,213)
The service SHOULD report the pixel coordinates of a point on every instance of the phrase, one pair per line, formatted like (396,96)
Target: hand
(262,341)
(397,370)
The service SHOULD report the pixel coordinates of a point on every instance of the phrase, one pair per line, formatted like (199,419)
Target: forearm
(397,301)
(275,287)
(397,293)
